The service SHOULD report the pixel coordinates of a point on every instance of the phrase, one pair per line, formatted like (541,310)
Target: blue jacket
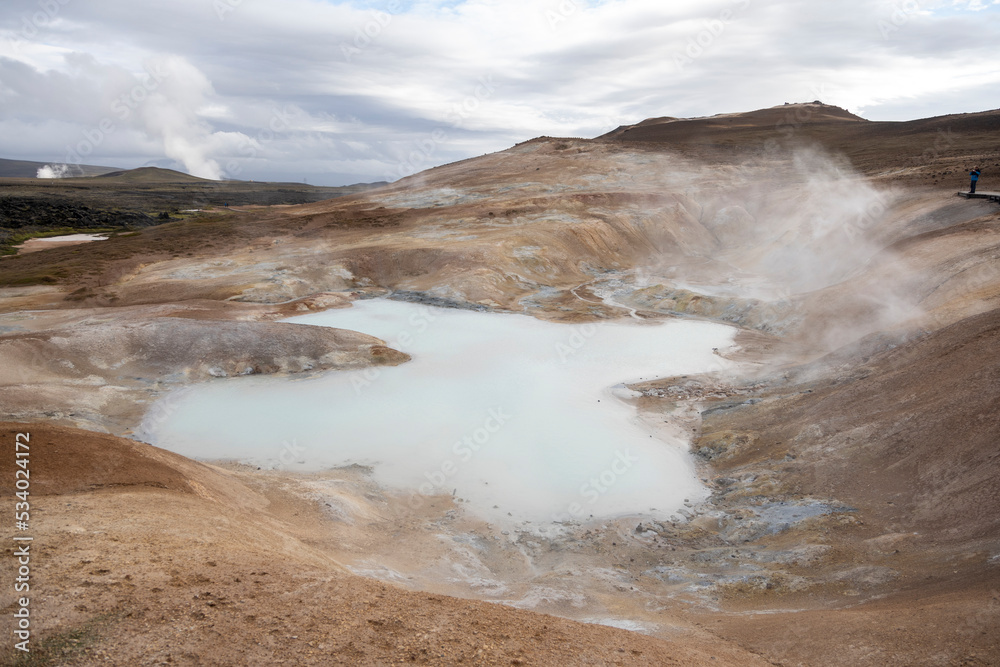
(975,174)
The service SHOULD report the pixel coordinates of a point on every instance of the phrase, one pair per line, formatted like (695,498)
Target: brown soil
(142,557)
(906,438)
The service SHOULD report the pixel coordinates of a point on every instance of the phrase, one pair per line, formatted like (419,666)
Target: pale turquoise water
(513,414)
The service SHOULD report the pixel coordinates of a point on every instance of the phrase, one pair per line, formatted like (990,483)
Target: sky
(333,93)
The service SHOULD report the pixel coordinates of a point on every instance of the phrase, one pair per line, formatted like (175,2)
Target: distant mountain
(873,147)
(786,115)
(151,175)
(158,175)
(28,169)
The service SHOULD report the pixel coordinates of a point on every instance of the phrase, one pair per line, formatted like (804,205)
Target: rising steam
(171,115)
(799,229)
(53,171)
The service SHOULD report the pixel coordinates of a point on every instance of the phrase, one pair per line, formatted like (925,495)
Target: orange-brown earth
(143,557)
(853,515)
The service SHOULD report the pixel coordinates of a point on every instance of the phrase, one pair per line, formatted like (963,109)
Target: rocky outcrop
(34,214)
(104,375)
(180,348)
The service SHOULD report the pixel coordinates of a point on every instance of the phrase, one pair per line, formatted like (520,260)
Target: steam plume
(53,171)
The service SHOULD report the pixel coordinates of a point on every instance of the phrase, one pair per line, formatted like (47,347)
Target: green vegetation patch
(62,648)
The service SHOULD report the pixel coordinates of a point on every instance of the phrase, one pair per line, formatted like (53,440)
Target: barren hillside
(854,483)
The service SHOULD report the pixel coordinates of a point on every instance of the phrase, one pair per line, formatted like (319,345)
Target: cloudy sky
(342,92)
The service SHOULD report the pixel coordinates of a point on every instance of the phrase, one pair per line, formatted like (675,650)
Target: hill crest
(152,175)
(784,114)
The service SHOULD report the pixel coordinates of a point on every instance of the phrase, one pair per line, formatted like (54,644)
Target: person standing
(975,179)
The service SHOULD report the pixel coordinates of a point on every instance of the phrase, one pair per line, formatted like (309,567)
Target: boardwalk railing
(992,196)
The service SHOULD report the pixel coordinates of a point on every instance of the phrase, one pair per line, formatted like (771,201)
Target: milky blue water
(518,417)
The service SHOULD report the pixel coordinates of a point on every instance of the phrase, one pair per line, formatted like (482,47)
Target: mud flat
(35,245)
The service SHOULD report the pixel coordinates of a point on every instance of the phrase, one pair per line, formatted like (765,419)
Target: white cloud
(276,85)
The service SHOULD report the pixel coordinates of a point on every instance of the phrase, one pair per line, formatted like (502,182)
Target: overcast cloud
(341,92)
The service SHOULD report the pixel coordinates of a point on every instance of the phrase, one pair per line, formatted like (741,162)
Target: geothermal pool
(521,419)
